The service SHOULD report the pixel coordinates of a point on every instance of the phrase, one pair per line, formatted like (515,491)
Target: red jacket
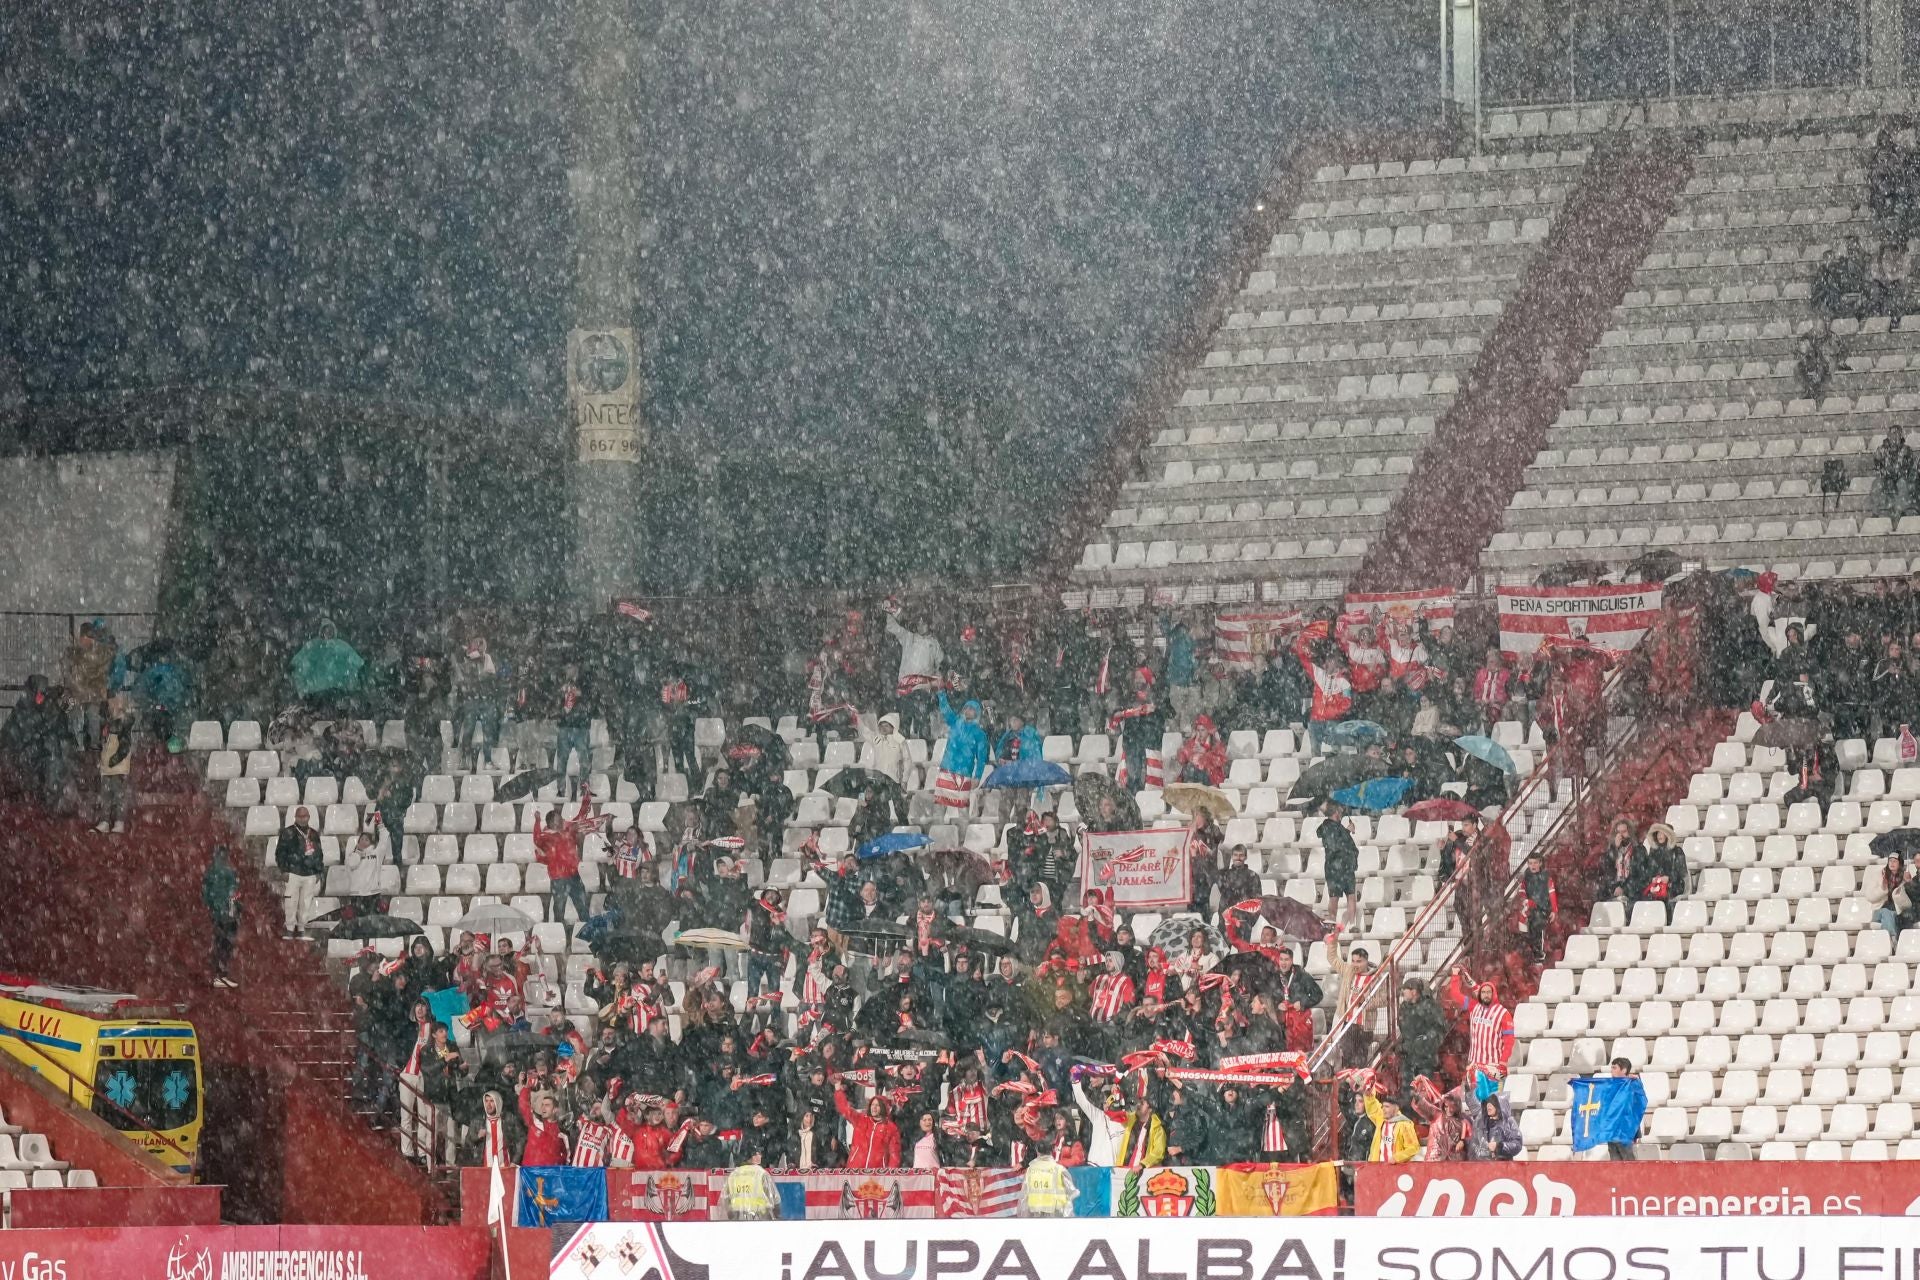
(546,1139)
(649,1142)
(876,1143)
(559,849)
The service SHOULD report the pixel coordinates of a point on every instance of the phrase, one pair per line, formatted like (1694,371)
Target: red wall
(286,1147)
(116,1207)
(1456,498)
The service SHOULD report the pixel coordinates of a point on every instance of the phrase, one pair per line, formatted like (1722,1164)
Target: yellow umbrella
(1191,797)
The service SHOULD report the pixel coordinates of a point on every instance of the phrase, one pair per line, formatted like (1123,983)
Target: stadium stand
(1349,339)
(1690,429)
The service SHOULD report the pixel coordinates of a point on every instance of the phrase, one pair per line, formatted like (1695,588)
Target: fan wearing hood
(966,757)
(1491,1131)
(886,747)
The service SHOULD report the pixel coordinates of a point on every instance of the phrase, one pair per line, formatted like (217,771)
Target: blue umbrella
(1487,749)
(1353,733)
(1029,773)
(893,842)
(1374,793)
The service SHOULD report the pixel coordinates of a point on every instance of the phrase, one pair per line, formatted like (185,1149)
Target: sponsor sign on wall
(1193,1248)
(1646,1189)
(246,1253)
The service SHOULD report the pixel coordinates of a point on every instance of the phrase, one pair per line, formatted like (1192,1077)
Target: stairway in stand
(280,1134)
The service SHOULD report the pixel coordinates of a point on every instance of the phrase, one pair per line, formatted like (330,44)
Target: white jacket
(920,655)
(364,865)
(1103,1132)
(887,753)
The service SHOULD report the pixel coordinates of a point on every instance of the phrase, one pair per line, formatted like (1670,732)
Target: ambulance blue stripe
(34,1037)
(156,1033)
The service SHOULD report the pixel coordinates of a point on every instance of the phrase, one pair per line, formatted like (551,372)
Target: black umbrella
(854,783)
(1335,773)
(1570,571)
(376,927)
(876,929)
(756,747)
(1103,805)
(978,939)
(1251,965)
(1652,566)
(521,785)
(1791,733)
(923,1037)
(1903,841)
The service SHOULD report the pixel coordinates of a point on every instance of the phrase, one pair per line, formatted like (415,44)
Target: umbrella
(853,783)
(1374,793)
(752,742)
(865,929)
(1488,750)
(376,927)
(893,842)
(977,939)
(1103,805)
(1191,797)
(1903,840)
(1290,916)
(1443,809)
(1793,733)
(1250,964)
(713,939)
(1652,566)
(496,919)
(1353,733)
(1028,773)
(1171,935)
(522,785)
(1323,779)
(923,1037)
(1568,572)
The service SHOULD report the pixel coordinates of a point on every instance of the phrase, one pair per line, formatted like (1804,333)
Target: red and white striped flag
(979,1193)
(1154,769)
(1243,640)
(1611,618)
(953,790)
(628,609)
(863,1193)
(1435,604)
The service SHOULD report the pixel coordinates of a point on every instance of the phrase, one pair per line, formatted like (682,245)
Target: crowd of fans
(899,1035)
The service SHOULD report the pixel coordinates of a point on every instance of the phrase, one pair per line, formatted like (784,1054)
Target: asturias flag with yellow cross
(1607,1109)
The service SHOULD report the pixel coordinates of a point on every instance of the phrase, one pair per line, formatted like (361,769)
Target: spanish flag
(1277,1190)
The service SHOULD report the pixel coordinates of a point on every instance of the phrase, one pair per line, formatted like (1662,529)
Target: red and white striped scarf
(596,1143)
(1112,992)
(968,1107)
(908,685)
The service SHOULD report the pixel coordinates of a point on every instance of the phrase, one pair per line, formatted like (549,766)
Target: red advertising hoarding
(1647,1189)
(218,1253)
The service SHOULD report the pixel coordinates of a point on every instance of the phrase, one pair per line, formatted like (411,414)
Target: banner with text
(1244,638)
(603,389)
(1144,870)
(1318,1248)
(1608,617)
(246,1253)
(1646,1189)
(1408,607)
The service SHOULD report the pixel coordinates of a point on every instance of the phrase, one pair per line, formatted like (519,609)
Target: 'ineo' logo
(1500,1198)
(184,1266)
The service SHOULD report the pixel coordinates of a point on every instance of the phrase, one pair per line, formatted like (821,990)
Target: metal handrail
(428,1104)
(96,1094)
(1394,959)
